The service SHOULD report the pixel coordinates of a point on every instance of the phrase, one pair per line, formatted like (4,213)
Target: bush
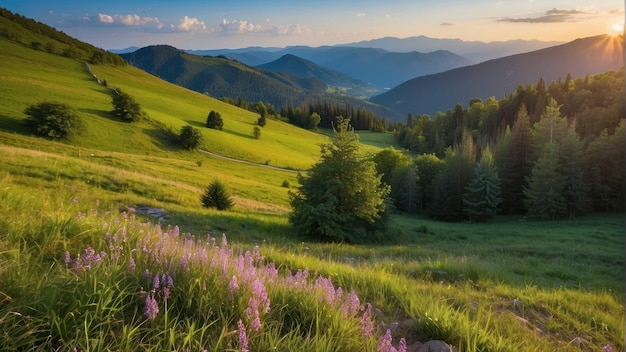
(214,120)
(126,107)
(189,138)
(53,120)
(216,197)
(256,132)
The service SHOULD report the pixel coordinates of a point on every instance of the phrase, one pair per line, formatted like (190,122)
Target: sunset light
(617,28)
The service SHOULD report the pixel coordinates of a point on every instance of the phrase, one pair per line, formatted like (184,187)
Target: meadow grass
(509,285)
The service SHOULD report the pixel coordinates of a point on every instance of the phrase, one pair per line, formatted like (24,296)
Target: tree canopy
(53,120)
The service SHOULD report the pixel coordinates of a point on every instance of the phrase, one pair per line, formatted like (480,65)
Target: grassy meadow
(79,270)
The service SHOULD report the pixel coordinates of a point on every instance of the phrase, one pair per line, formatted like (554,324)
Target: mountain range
(380,68)
(288,80)
(438,92)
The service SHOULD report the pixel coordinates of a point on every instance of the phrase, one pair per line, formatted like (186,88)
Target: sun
(618,28)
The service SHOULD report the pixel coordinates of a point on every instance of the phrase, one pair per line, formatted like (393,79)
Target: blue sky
(212,24)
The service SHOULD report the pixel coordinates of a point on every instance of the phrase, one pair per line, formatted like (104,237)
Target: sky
(217,24)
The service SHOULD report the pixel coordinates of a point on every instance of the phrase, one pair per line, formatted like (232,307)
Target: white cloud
(239,27)
(191,24)
(361,14)
(290,29)
(124,20)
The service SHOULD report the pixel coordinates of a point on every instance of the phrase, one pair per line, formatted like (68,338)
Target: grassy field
(511,285)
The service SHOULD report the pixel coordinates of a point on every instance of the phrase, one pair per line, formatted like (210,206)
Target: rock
(435,346)
(414,347)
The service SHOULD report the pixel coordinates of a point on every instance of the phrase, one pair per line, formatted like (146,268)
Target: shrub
(257,132)
(189,138)
(53,120)
(216,197)
(214,120)
(126,107)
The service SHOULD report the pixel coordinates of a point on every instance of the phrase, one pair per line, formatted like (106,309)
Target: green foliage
(53,120)
(190,137)
(216,196)
(482,194)
(214,120)
(544,195)
(341,198)
(125,107)
(429,168)
(256,132)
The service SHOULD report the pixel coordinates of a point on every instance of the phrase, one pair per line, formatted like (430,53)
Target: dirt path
(248,162)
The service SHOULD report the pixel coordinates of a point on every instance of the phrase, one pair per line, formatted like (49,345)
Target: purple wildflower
(607,348)
(243,339)
(233,287)
(131,265)
(367,324)
(384,343)
(402,345)
(152,307)
(68,258)
(156,283)
(351,305)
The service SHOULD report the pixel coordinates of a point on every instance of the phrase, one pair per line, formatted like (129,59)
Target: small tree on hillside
(214,120)
(341,198)
(126,107)
(189,138)
(216,196)
(256,131)
(53,120)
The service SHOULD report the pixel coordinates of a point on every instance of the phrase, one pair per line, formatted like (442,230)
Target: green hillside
(32,76)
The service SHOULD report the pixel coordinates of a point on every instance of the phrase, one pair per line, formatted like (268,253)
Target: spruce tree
(544,194)
(482,194)
(216,196)
(341,198)
(577,187)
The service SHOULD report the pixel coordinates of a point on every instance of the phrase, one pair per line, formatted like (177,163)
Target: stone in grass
(436,346)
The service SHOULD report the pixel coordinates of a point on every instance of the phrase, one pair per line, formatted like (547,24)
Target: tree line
(548,152)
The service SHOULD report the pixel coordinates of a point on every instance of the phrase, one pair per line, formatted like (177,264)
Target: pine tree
(544,194)
(482,195)
(341,198)
(216,196)
(576,190)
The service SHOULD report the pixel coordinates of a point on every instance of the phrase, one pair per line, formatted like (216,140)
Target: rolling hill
(438,92)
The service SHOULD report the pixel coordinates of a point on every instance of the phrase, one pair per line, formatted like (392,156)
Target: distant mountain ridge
(476,51)
(303,68)
(378,67)
(438,92)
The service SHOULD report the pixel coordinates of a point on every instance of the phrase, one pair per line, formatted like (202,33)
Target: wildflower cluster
(85,260)
(168,255)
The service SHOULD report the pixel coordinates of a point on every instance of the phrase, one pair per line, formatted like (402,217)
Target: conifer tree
(341,198)
(216,196)
(576,190)
(482,194)
(214,120)
(544,194)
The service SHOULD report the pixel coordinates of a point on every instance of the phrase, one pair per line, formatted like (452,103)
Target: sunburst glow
(617,28)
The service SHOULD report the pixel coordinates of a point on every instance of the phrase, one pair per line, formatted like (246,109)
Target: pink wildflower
(243,339)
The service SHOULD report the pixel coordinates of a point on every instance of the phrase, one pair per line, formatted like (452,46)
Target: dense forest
(549,151)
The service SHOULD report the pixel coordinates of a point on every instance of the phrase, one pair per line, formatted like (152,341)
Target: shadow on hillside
(162,139)
(202,125)
(100,113)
